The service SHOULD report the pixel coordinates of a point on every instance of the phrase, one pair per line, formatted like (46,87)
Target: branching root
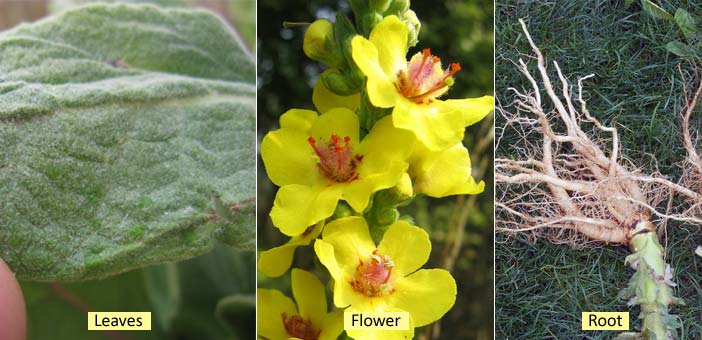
(573,185)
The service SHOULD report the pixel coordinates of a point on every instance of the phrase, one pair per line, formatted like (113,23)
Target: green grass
(542,288)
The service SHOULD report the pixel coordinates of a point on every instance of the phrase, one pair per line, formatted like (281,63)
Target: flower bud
(319,43)
(370,20)
(398,7)
(413,26)
(380,6)
(386,216)
(340,84)
(342,210)
(392,197)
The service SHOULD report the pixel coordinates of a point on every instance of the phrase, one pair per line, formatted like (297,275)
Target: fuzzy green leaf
(118,126)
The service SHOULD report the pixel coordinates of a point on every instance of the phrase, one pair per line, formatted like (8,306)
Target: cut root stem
(573,185)
(650,287)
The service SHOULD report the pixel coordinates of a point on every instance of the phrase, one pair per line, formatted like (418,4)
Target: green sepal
(340,82)
(319,44)
(380,6)
(369,21)
(343,32)
(342,210)
(369,114)
(359,7)
(382,211)
(398,7)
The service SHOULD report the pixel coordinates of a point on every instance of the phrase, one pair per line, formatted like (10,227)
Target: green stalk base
(650,286)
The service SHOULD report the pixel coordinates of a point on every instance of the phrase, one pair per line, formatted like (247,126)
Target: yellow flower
(275,262)
(317,160)
(280,319)
(413,88)
(386,277)
(443,173)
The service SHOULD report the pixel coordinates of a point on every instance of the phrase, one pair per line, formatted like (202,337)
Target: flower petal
(276,261)
(357,193)
(332,326)
(325,100)
(468,188)
(380,87)
(412,292)
(325,253)
(405,186)
(385,152)
(437,126)
(473,109)
(344,243)
(344,295)
(408,246)
(309,295)
(351,241)
(390,39)
(385,143)
(271,305)
(289,158)
(298,119)
(442,173)
(297,207)
(338,121)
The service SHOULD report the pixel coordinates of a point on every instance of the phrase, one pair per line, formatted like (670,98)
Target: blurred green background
(208,297)
(542,288)
(460,227)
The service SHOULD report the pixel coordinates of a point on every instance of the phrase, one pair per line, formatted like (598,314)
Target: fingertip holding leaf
(117,123)
(13,312)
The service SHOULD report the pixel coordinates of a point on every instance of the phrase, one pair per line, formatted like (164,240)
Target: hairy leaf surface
(124,130)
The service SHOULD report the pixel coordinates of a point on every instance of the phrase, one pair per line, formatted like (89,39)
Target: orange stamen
(336,160)
(313,143)
(453,69)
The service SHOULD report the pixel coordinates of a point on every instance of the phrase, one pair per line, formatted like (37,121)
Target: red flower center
(374,277)
(423,80)
(297,327)
(336,159)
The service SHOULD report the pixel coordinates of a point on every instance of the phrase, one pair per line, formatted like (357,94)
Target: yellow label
(605,321)
(398,321)
(122,321)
